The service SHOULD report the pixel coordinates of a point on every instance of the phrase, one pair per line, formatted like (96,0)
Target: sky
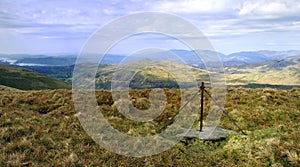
(63,27)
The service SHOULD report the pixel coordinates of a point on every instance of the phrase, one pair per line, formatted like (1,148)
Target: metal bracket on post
(201,109)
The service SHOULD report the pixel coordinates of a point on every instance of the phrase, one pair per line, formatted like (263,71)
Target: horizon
(117,54)
(52,27)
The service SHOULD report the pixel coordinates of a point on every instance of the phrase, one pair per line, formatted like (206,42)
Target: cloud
(218,19)
(221,19)
(270,9)
(196,6)
(51,18)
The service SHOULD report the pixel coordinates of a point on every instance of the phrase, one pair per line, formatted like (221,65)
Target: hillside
(62,73)
(28,80)
(282,72)
(40,128)
(6,88)
(277,73)
(152,74)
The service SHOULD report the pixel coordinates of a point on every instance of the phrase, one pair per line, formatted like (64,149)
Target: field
(39,128)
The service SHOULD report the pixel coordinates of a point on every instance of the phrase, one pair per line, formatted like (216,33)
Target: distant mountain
(245,58)
(273,65)
(259,56)
(191,58)
(188,57)
(28,80)
(278,55)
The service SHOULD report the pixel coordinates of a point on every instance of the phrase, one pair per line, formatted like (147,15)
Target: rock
(207,133)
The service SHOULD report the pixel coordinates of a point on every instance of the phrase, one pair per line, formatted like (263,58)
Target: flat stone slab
(207,133)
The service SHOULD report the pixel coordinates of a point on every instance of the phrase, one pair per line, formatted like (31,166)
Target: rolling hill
(151,74)
(276,74)
(244,69)
(282,72)
(28,80)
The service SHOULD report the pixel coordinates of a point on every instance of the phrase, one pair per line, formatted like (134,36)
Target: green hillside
(28,80)
(6,88)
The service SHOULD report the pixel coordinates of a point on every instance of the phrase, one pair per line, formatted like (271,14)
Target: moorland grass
(40,128)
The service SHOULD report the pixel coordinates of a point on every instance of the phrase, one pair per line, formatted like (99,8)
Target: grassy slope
(27,80)
(39,128)
(285,72)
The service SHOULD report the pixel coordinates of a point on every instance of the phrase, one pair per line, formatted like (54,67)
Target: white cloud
(218,19)
(270,8)
(196,6)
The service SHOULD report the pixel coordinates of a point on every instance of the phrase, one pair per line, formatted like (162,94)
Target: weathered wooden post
(201,109)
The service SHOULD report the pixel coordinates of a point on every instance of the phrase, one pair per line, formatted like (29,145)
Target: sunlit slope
(284,72)
(151,74)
